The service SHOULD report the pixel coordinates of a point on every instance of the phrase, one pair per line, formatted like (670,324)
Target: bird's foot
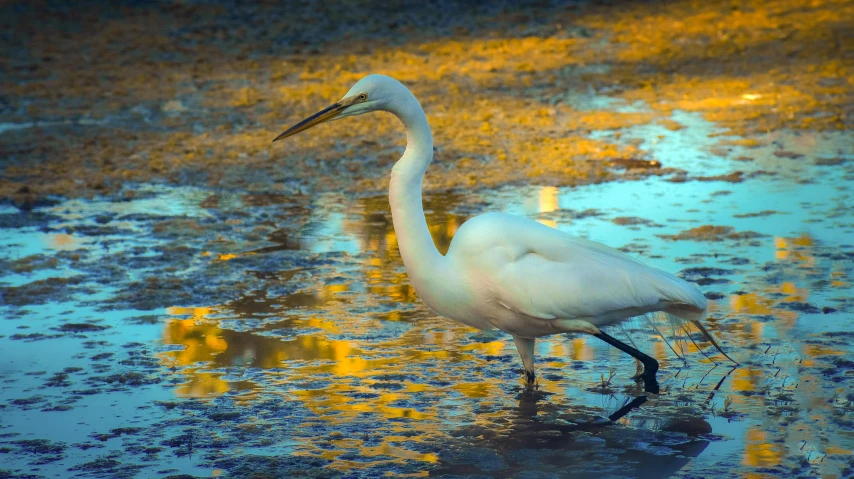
(650,365)
(530,380)
(650,384)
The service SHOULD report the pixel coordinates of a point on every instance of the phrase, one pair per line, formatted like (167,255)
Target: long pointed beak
(324,115)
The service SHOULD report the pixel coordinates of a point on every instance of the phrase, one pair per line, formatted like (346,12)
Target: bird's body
(508,272)
(529,279)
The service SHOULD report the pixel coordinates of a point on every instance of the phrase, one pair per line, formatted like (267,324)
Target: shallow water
(226,333)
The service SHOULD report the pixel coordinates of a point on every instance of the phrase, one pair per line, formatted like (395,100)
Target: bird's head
(371,93)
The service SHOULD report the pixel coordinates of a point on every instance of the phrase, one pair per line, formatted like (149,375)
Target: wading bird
(507,272)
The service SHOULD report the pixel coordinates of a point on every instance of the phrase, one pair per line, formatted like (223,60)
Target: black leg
(531,377)
(650,365)
(631,405)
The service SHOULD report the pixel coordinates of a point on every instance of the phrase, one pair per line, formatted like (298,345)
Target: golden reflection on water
(225,257)
(337,380)
(795,249)
(201,342)
(759,451)
(63,242)
(580,351)
(548,202)
(797,252)
(383,270)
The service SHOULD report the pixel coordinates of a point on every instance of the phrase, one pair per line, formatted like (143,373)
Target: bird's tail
(679,314)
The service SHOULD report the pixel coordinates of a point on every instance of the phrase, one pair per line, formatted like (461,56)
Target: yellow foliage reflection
(548,202)
(795,249)
(63,242)
(746,379)
(759,452)
(580,350)
(207,346)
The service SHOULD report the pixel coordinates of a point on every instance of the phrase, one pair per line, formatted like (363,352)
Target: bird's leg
(525,346)
(650,365)
(627,408)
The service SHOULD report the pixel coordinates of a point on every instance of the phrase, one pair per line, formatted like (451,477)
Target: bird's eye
(363,96)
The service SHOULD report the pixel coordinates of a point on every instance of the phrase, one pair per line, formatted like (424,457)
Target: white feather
(543,273)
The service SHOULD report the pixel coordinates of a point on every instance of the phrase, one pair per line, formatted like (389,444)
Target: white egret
(508,272)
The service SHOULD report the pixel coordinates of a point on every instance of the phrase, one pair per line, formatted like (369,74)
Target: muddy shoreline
(192,94)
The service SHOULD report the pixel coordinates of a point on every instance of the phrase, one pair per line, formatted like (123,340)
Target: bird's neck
(417,249)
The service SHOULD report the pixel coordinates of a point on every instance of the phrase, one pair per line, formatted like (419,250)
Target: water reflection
(208,346)
(795,249)
(759,451)
(547,202)
(537,435)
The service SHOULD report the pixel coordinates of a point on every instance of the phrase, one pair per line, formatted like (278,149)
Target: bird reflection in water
(539,435)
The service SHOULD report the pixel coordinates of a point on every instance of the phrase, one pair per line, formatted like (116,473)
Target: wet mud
(192,94)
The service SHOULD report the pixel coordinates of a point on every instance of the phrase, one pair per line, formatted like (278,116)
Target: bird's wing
(601,288)
(545,273)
